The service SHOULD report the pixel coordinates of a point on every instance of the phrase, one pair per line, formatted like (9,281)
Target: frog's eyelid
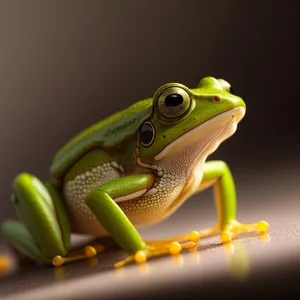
(168,86)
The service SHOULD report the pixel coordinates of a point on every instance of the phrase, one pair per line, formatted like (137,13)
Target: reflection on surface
(94,261)
(119,272)
(237,256)
(144,268)
(177,260)
(7,265)
(59,273)
(4,264)
(195,255)
(235,260)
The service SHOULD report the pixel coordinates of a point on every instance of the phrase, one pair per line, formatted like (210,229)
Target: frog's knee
(24,181)
(217,166)
(28,188)
(21,179)
(223,166)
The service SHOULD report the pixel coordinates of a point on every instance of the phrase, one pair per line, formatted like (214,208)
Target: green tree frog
(136,167)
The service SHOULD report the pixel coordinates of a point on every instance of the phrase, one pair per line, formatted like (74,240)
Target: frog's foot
(89,251)
(235,228)
(153,250)
(193,236)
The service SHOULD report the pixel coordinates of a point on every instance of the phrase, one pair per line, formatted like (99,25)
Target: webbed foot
(234,228)
(153,250)
(89,252)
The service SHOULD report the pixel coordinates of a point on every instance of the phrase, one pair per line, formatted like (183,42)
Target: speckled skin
(144,210)
(75,191)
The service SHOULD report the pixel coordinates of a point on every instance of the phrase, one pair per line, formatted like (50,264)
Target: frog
(134,168)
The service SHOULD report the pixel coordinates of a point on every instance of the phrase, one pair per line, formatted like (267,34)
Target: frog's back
(107,134)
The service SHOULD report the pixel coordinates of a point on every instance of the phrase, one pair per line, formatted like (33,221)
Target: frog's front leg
(218,174)
(103,201)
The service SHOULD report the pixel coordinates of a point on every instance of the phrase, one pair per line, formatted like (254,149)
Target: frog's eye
(147,134)
(173,102)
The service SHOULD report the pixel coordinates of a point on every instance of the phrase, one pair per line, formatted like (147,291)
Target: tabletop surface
(267,261)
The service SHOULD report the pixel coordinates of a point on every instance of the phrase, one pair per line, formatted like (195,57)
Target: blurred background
(65,65)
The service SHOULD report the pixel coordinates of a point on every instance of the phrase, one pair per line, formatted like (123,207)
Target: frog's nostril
(217,98)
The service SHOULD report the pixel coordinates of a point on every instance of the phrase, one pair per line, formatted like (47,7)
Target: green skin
(47,218)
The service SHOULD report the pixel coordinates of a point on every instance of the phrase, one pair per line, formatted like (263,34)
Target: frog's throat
(200,142)
(232,117)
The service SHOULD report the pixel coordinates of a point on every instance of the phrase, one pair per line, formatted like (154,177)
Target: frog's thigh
(218,174)
(103,200)
(45,230)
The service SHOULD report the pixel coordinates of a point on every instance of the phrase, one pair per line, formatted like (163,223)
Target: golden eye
(147,134)
(173,102)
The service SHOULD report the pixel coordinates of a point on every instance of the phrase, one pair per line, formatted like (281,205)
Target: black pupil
(173,100)
(146,134)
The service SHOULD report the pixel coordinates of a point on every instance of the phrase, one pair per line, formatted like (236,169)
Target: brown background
(67,64)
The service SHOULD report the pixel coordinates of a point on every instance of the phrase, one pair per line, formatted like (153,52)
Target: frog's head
(189,124)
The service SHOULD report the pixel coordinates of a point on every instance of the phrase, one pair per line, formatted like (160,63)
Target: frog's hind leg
(21,240)
(43,232)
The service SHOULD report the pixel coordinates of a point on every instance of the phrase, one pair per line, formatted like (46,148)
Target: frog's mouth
(202,140)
